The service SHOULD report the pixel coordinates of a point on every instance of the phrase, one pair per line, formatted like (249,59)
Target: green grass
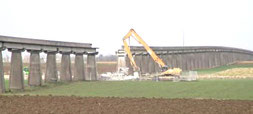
(222,68)
(216,89)
(7,84)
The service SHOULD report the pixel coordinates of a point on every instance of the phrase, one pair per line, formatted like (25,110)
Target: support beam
(137,59)
(173,60)
(79,67)
(157,68)
(164,57)
(212,59)
(184,61)
(151,65)
(65,73)
(144,63)
(179,60)
(206,60)
(197,61)
(169,60)
(202,60)
(34,78)
(192,61)
(216,59)
(16,81)
(222,58)
(2,81)
(128,65)
(51,70)
(91,68)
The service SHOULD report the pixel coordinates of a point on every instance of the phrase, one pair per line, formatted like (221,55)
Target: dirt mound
(98,105)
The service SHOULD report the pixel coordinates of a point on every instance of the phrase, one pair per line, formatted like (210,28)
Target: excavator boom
(175,71)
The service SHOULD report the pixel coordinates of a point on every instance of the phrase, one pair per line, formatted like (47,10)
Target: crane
(164,68)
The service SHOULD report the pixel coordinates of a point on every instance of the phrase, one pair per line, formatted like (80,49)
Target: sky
(105,22)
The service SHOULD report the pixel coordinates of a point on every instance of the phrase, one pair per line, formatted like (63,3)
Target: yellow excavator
(164,68)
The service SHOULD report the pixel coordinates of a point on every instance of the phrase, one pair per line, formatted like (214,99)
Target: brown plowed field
(98,105)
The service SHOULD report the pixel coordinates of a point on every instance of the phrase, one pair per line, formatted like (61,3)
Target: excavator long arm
(166,71)
(145,45)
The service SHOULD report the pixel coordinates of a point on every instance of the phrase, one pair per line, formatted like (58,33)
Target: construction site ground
(114,105)
(206,95)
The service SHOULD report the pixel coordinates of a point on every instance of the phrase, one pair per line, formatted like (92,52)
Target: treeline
(101,57)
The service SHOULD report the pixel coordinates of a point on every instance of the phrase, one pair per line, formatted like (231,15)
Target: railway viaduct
(17,45)
(186,58)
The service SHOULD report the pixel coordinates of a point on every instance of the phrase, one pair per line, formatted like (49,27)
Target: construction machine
(165,71)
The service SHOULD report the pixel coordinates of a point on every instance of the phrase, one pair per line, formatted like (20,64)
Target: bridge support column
(207,61)
(192,63)
(169,60)
(79,67)
(91,69)
(144,63)
(188,61)
(151,65)
(173,60)
(202,60)
(138,59)
(212,55)
(182,60)
(51,70)
(16,81)
(65,73)
(197,60)
(157,68)
(2,81)
(128,65)
(34,78)
(222,58)
(216,59)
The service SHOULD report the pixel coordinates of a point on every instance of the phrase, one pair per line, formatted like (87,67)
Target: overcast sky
(104,22)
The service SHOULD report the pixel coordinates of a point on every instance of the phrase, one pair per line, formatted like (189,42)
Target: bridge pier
(128,65)
(157,68)
(216,60)
(197,59)
(16,81)
(79,73)
(179,61)
(151,65)
(138,60)
(51,69)
(34,46)
(169,60)
(91,68)
(34,78)
(65,73)
(192,65)
(144,63)
(184,61)
(2,80)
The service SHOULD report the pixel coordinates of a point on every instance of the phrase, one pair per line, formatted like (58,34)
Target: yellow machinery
(165,70)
